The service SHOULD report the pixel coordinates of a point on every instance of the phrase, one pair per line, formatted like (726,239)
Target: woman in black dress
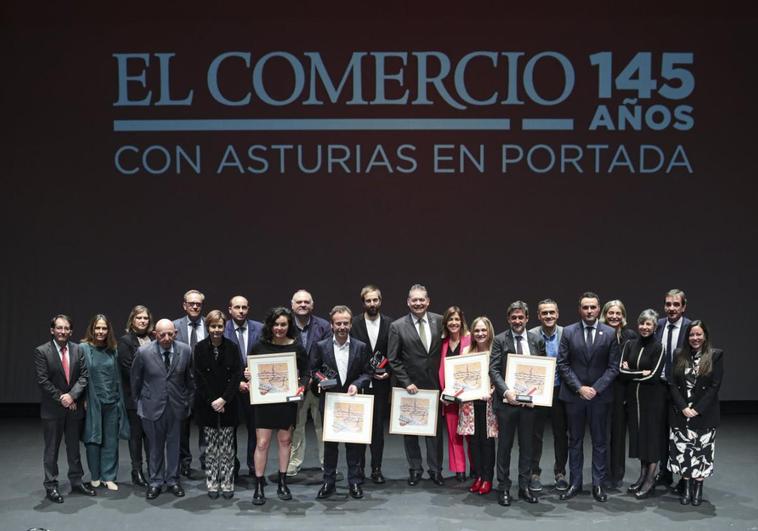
(641,366)
(694,415)
(139,330)
(217,370)
(278,335)
(614,315)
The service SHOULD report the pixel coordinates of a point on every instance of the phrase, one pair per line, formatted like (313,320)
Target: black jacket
(216,378)
(705,398)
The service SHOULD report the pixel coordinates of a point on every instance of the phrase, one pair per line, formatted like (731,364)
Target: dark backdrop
(82,238)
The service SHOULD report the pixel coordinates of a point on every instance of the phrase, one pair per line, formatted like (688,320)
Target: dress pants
(163,443)
(54,430)
(618,423)
(578,413)
(381,391)
(509,420)
(102,459)
(137,440)
(456,454)
(331,456)
(557,414)
(310,402)
(433,451)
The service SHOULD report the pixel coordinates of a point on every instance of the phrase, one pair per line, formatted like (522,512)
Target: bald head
(302,304)
(165,332)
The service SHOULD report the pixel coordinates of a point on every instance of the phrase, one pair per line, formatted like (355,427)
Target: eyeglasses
(193,304)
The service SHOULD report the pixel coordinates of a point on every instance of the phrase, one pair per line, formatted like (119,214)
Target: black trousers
(618,420)
(511,419)
(482,448)
(137,440)
(353,453)
(558,423)
(381,391)
(185,454)
(66,428)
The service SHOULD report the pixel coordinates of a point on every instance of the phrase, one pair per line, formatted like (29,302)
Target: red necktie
(64,361)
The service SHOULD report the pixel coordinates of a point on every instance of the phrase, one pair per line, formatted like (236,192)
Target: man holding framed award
(341,365)
(515,413)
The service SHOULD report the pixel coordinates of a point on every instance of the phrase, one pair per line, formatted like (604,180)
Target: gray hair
(517,305)
(648,315)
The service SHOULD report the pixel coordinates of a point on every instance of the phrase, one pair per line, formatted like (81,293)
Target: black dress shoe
(504,498)
(356,491)
(377,477)
(414,478)
(138,478)
(572,491)
(598,492)
(646,491)
(527,496)
(460,477)
(176,490)
(326,490)
(53,495)
(186,471)
(152,492)
(83,488)
(437,478)
(213,494)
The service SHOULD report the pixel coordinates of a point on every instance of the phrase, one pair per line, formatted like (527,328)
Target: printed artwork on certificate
(531,376)
(414,414)
(348,418)
(273,377)
(467,376)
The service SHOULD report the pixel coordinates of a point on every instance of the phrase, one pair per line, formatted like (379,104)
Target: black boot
(647,488)
(684,499)
(634,487)
(697,493)
(282,490)
(259,498)
(138,478)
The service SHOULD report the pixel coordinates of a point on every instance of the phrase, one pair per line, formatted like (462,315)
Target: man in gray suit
(62,378)
(550,332)
(513,416)
(190,329)
(162,386)
(414,354)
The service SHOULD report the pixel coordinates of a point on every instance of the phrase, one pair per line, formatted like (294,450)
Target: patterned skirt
(691,452)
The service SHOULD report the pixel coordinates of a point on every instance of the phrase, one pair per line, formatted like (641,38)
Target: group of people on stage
(658,381)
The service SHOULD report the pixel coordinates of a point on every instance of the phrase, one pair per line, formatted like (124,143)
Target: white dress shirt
(342,357)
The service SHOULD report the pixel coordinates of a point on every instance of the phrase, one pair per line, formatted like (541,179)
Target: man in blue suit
(348,359)
(670,334)
(190,329)
(588,361)
(162,385)
(245,333)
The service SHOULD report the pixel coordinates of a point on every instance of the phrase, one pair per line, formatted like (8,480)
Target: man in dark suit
(414,352)
(62,378)
(310,330)
(349,361)
(670,333)
(372,327)
(162,385)
(245,333)
(588,360)
(190,329)
(513,415)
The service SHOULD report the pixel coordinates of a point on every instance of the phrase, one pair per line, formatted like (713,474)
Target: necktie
(588,338)
(241,339)
(519,348)
(167,360)
(64,362)
(669,350)
(422,334)
(193,334)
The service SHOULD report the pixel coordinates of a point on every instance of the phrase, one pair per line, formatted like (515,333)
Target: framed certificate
(414,414)
(532,378)
(467,377)
(273,377)
(348,418)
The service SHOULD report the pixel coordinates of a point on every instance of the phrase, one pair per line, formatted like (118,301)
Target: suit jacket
(410,362)
(154,389)
(358,368)
(52,380)
(504,344)
(445,347)
(360,331)
(318,330)
(181,325)
(128,345)
(596,367)
(705,399)
(254,329)
(669,356)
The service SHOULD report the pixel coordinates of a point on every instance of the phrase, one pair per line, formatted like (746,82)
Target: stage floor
(731,494)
